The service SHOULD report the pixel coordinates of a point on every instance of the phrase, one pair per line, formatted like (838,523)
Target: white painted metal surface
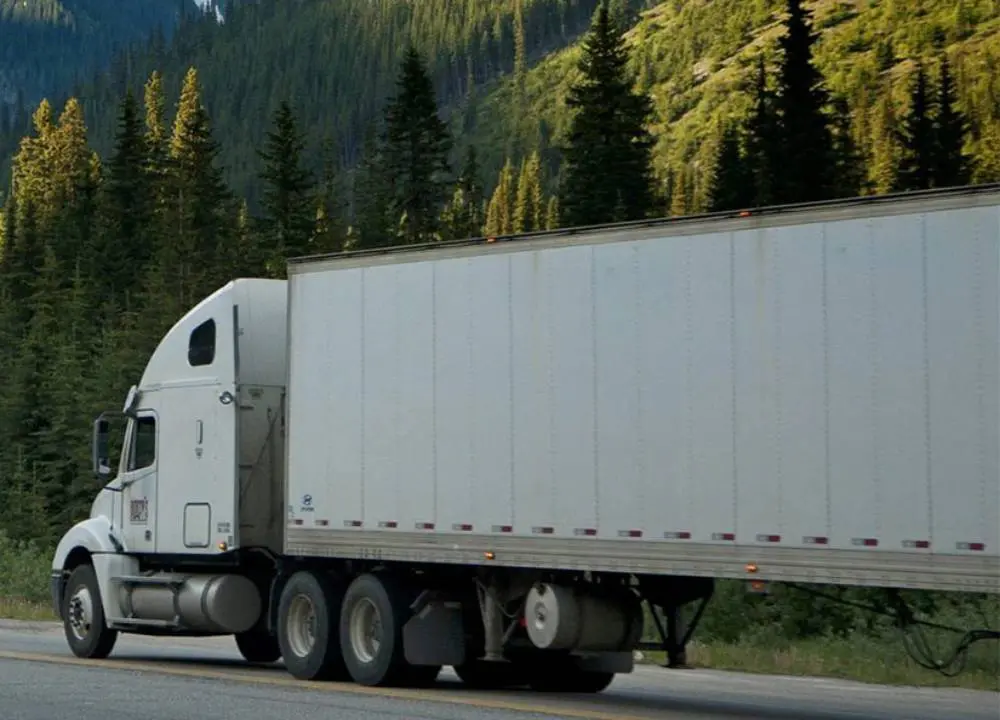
(205,463)
(816,393)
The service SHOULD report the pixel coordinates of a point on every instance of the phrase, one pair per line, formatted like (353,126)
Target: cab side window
(201,346)
(143,443)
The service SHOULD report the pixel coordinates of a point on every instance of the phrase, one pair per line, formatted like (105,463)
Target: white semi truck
(487,454)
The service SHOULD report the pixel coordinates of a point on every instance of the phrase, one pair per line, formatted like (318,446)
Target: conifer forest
(139,180)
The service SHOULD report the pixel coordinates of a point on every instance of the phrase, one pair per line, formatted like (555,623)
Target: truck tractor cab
(198,478)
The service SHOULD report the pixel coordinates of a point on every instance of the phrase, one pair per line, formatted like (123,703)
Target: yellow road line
(340,687)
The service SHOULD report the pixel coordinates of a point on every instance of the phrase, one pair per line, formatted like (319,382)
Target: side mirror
(100,456)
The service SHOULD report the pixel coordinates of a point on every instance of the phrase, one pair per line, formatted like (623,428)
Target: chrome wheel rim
(301,625)
(366,630)
(81,613)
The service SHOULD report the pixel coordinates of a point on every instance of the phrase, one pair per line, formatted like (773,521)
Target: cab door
(138,483)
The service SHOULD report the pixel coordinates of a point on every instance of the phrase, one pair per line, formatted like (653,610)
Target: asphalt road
(191,679)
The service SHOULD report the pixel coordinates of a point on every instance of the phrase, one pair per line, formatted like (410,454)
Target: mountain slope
(48,45)
(336,61)
(696,58)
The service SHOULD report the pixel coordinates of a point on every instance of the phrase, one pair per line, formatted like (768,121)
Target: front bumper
(57,585)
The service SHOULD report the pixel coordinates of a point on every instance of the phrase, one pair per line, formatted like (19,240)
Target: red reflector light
(462,527)
(425,526)
(352,523)
(630,533)
(682,535)
(921,544)
(727,537)
(503,528)
(974,546)
(543,530)
(818,540)
(865,542)
(769,538)
(585,532)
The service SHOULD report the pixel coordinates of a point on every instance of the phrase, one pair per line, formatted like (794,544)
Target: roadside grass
(880,661)
(876,656)
(19,609)
(24,580)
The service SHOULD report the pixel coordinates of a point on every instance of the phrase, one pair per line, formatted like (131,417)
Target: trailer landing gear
(668,596)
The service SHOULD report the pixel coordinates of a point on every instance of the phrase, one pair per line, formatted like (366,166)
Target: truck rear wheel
(308,614)
(83,616)
(371,634)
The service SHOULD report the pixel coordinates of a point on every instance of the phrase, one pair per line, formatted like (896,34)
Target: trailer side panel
(817,398)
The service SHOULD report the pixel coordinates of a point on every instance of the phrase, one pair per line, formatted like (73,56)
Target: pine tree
(372,198)
(500,211)
(529,205)
(126,210)
(416,150)
(808,168)
(917,138)
(679,200)
(156,139)
(763,141)
(849,168)
(951,166)
(330,203)
(732,181)
(607,166)
(552,218)
(885,157)
(288,223)
(199,198)
(462,218)
(987,165)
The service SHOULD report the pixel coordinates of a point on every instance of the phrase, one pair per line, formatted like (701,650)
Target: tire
(481,675)
(83,616)
(258,646)
(308,640)
(372,599)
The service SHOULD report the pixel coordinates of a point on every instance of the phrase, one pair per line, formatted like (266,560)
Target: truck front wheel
(83,616)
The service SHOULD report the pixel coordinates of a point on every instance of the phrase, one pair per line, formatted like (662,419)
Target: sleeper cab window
(201,346)
(144,448)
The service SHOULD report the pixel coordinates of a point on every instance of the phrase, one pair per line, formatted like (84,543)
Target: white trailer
(493,451)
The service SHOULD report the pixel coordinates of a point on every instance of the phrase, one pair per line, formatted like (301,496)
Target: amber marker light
(751,568)
(489,555)
(223,547)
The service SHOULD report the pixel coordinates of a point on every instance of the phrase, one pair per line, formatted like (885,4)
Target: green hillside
(696,59)
(49,45)
(336,62)
(54,47)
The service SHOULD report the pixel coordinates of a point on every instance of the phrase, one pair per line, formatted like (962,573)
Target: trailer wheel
(258,646)
(83,616)
(371,633)
(307,627)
